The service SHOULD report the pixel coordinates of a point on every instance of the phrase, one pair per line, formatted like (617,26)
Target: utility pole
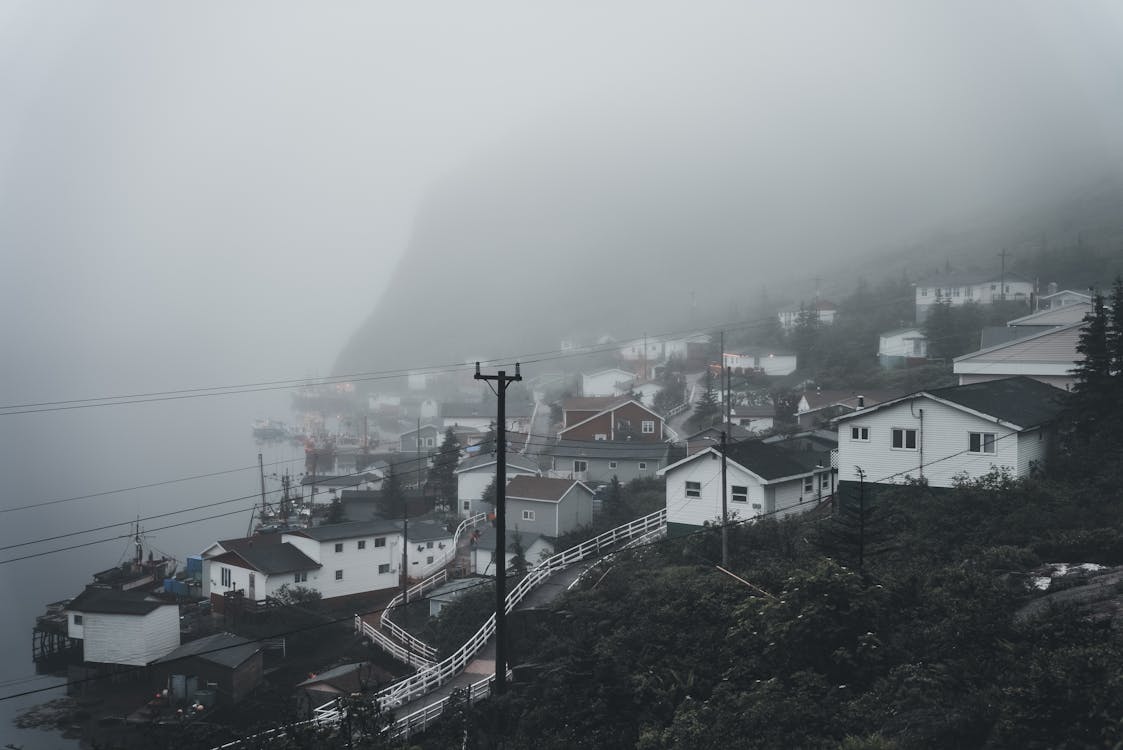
(724,462)
(861,518)
(502,382)
(1002,278)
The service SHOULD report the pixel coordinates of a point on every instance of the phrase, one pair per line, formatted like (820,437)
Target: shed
(226,663)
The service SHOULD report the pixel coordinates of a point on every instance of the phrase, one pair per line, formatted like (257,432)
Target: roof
(820,399)
(963,278)
(639,450)
(611,408)
(454,587)
(224,649)
(427,530)
(820,305)
(488,459)
(115,602)
(1083,295)
(1057,316)
(540,488)
(486,539)
(1053,345)
(349,530)
(608,370)
(271,559)
(736,432)
(770,462)
(593,403)
(430,425)
(995,335)
(345,480)
(346,678)
(1020,401)
(899,331)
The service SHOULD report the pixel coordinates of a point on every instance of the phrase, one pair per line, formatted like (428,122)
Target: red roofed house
(610,419)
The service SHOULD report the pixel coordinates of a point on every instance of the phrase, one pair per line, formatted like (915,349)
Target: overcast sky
(213,192)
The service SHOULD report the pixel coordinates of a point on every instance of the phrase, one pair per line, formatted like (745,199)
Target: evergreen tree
(1115,328)
(1093,392)
(805,337)
(489,495)
(487,445)
(393,496)
(706,408)
(442,477)
(335,511)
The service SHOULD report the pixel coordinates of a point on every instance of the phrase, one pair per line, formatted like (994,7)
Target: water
(57,455)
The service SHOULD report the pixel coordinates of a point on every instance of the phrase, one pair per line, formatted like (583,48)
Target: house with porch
(946,434)
(547,506)
(902,347)
(122,627)
(597,461)
(761,480)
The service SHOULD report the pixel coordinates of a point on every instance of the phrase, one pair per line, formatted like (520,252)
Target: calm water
(64,454)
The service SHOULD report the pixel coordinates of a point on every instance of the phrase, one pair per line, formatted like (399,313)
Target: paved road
(678,421)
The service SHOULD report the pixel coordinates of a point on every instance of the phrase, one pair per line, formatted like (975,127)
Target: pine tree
(1115,328)
(490,492)
(1093,388)
(706,407)
(442,477)
(393,496)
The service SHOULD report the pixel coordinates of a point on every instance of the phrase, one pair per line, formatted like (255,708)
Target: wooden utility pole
(502,382)
(724,461)
(1002,278)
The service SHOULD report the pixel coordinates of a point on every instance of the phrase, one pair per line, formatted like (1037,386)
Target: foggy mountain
(825,155)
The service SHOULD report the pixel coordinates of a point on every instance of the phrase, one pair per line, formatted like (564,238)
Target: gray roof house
(1048,356)
(599,460)
(550,507)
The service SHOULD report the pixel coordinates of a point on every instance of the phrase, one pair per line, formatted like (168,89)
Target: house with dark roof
(1049,356)
(550,507)
(597,461)
(475,473)
(818,407)
(761,480)
(122,627)
(945,434)
(621,419)
(336,560)
(338,682)
(226,663)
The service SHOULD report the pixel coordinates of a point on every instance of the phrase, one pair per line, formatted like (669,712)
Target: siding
(470,486)
(130,639)
(1033,447)
(545,517)
(696,511)
(944,442)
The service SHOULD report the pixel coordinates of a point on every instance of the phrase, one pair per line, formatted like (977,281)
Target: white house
(535,548)
(610,382)
(335,560)
(474,474)
(896,348)
(946,433)
(430,547)
(1048,356)
(822,310)
(122,627)
(761,479)
(1055,299)
(959,289)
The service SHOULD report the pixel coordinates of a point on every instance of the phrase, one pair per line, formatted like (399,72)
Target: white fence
(431,678)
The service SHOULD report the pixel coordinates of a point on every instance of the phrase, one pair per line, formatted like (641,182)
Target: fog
(220,193)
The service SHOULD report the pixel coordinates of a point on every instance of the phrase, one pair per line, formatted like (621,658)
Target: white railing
(415,647)
(426,681)
(415,653)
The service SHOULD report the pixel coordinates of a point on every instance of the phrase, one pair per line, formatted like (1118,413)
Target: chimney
(861,402)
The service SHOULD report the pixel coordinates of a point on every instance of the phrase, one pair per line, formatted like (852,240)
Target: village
(392,519)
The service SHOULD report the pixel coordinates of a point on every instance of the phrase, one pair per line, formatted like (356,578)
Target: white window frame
(693,489)
(339,575)
(739,493)
(809,484)
(339,547)
(383,569)
(528,515)
(977,443)
(643,465)
(300,576)
(600,436)
(362,544)
(905,433)
(860,434)
(467,505)
(647,427)
(584,466)
(77,619)
(612,464)
(380,541)
(226,576)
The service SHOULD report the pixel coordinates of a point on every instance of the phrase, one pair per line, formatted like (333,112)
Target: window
(824,480)
(429,560)
(643,465)
(740,494)
(429,442)
(694,489)
(993,287)
(528,515)
(860,433)
(612,464)
(904,439)
(756,506)
(580,467)
(600,436)
(362,544)
(226,577)
(380,541)
(808,484)
(383,569)
(339,575)
(955,292)
(647,426)
(428,545)
(300,576)
(923,291)
(980,442)
(339,546)
(467,505)
(77,619)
